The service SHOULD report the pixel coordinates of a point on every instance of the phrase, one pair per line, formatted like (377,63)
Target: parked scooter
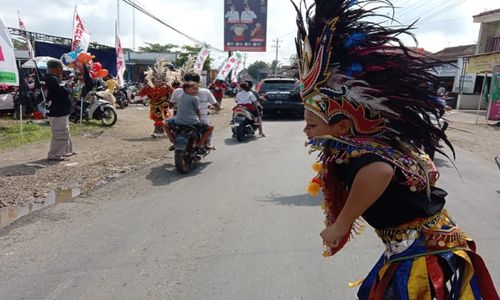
(121,98)
(186,154)
(243,123)
(94,108)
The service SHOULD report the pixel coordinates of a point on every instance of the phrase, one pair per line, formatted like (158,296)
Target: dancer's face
(315,126)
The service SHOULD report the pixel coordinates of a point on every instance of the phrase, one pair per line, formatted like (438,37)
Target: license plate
(278,102)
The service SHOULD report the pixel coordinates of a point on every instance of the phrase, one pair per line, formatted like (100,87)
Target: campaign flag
(8,68)
(120,62)
(200,60)
(81,39)
(228,65)
(22,26)
(236,71)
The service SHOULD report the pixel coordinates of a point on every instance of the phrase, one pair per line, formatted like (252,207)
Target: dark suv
(281,95)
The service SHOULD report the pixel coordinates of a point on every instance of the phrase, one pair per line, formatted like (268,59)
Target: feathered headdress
(353,67)
(162,72)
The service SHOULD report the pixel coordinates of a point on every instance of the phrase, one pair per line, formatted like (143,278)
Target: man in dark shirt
(59,99)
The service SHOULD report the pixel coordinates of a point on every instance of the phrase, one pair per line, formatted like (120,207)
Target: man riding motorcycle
(188,113)
(248,100)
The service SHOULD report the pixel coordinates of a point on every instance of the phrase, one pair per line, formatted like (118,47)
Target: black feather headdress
(352,65)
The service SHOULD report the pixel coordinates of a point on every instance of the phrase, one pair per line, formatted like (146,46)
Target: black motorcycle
(121,98)
(243,123)
(186,154)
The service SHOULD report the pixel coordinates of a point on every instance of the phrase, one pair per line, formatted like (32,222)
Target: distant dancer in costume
(158,90)
(367,108)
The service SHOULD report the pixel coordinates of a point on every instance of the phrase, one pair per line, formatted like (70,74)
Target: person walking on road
(367,126)
(217,88)
(60,105)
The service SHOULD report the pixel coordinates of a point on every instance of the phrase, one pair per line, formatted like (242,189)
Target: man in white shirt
(232,16)
(205,99)
(248,15)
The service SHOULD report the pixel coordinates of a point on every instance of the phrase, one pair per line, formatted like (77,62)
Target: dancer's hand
(333,234)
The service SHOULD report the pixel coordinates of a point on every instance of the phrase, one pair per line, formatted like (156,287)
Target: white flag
(8,68)
(120,62)
(22,26)
(236,71)
(200,60)
(228,66)
(81,39)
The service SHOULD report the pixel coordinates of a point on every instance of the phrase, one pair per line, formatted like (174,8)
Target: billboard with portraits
(245,24)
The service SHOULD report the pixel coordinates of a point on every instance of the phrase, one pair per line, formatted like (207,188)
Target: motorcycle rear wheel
(109,117)
(240,133)
(183,161)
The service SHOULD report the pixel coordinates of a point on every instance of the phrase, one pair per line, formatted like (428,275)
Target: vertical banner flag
(228,66)
(200,60)
(236,71)
(494,105)
(8,68)
(120,62)
(22,26)
(81,39)
(245,25)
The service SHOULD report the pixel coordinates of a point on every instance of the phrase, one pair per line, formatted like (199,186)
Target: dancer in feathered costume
(368,110)
(158,90)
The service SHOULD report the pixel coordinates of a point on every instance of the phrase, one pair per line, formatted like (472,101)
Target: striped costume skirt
(428,259)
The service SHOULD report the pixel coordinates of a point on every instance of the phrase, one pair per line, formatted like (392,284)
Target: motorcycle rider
(205,99)
(188,113)
(247,99)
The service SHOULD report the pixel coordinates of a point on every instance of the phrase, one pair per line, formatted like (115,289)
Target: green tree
(276,67)
(257,69)
(159,48)
(185,51)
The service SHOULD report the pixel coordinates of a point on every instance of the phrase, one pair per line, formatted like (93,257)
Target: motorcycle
(94,108)
(186,155)
(121,98)
(132,91)
(243,123)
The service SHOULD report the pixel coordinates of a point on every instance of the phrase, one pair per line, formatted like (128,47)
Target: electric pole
(118,15)
(133,26)
(277,46)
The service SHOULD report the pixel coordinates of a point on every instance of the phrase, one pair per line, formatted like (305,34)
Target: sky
(442,23)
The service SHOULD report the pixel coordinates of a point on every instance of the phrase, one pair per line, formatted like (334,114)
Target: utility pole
(133,26)
(277,46)
(118,15)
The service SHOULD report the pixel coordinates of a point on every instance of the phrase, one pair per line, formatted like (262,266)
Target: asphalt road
(240,227)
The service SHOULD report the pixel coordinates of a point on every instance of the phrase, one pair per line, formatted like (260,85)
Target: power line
(147,13)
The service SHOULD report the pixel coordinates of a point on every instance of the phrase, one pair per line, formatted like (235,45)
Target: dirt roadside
(482,138)
(26,177)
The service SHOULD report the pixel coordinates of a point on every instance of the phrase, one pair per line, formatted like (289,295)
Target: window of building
(493,44)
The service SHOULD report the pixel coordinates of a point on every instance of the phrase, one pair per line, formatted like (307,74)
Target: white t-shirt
(205,97)
(244,97)
(233,16)
(248,16)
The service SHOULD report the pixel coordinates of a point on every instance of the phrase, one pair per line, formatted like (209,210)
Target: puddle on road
(10,214)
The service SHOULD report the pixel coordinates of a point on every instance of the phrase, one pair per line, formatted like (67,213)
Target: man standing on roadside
(59,101)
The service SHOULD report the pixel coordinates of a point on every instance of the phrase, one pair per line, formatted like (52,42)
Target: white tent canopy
(41,63)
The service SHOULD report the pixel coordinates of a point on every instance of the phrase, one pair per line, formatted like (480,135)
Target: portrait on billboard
(245,24)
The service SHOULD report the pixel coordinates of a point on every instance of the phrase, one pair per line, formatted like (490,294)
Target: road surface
(240,227)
